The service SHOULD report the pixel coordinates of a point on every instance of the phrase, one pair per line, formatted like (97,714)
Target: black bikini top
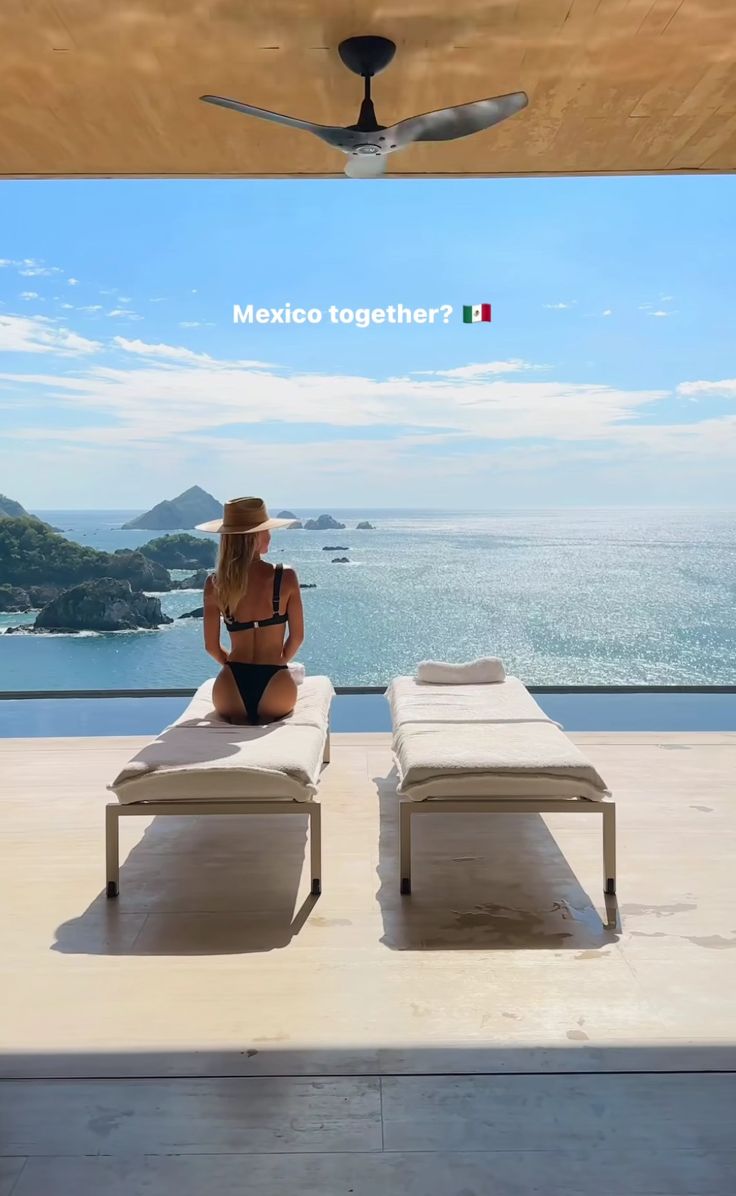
(234,625)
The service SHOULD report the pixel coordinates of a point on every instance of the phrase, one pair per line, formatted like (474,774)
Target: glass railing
(364,709)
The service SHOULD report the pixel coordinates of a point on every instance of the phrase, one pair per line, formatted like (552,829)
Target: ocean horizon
(569,595)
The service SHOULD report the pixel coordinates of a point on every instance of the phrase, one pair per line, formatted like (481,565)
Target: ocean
(598,596)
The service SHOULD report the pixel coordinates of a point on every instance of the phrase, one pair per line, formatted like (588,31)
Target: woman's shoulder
(288,571)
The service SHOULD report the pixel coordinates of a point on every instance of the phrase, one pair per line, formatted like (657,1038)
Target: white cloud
(661,315)
(38,335)
(124,299)
(72,282)
(158,299)
(120,313)
(480,369)
(68,306)
(180,353)
(28,295)
(160,398)
(91,307)
(560,306)
(189,324)
(190,395)
(725,388)
(31,267)
(607,312)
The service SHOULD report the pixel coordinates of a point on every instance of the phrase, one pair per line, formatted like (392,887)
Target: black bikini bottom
(251,680)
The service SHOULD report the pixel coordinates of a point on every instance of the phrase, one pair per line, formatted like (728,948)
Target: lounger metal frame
(489,805)
(114,811)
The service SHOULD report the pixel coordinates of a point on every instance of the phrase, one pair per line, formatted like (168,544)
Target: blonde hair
(235,556)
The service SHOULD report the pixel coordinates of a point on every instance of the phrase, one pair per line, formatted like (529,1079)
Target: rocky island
(340,560)
(324,523)
(32,555)
(185,511)
(103,605)
(290,515)
(181,551)
(335,547)
(365,526)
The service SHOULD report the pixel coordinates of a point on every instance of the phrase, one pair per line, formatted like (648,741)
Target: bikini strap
(277,575)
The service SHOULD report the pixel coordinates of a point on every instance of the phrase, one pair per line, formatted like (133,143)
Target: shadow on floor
(200,886)
(485,882)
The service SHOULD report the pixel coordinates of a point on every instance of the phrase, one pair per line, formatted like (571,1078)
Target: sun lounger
(202,764)
(488,748)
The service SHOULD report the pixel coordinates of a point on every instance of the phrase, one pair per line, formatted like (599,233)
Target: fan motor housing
(366,56)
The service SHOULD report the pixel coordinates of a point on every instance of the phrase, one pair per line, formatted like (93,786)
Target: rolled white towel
(486,671)
(297,671)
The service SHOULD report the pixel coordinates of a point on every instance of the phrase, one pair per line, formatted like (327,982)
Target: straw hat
(243,515)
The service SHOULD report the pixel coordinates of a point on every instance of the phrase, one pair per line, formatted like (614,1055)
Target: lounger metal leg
(112,849)
(609,847)
(405,809)
(326,753)
(315,846)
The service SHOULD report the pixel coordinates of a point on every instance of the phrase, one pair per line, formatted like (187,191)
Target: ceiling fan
(368,144)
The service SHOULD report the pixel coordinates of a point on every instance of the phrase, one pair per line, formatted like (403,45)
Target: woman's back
(258,621)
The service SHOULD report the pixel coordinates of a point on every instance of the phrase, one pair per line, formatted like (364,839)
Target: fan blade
(366,166)
(333,134)
(447,124)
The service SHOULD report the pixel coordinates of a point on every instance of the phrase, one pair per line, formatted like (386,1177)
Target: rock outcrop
(193,614)
(324,523)
(194,506)
(290,515)
(195,582)
(181,551)
(335,547)
(14,599)
(365,526)
(103,605)
(307,585)
(23,598)
(134,567)
(340,560)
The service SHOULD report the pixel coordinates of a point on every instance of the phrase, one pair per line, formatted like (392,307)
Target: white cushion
(474,741)
(202,757)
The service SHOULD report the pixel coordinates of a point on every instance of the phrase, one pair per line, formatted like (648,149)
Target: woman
(256,602)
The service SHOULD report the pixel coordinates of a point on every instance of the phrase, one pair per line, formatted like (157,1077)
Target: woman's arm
(212,623)
(295,614)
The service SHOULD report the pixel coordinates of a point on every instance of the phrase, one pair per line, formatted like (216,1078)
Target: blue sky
(606,376)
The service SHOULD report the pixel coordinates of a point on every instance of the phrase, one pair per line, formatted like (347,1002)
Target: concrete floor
(499,1032)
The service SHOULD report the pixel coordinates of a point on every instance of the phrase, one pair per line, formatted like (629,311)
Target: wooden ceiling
(110,87)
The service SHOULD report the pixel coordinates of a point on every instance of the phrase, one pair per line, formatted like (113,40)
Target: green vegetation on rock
(32,554)
(181,551)
(10,508)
